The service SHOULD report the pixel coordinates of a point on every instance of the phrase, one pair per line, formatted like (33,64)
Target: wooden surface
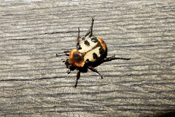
(33,81)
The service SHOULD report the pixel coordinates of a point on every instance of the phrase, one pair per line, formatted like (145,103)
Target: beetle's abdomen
(93,48)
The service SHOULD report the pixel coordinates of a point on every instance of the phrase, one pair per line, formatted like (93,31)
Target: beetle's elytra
(90,52)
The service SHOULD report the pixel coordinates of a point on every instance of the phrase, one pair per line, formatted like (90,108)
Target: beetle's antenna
(68,71)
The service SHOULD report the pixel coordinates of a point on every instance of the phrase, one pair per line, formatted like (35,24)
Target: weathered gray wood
(33,82)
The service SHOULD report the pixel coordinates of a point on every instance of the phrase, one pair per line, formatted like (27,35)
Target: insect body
(90,52)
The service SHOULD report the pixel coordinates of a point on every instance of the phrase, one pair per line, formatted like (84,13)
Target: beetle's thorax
(76,58)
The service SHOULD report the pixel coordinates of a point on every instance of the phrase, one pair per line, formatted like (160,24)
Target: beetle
(90,52)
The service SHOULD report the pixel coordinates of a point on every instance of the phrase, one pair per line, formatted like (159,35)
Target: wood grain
(33,81)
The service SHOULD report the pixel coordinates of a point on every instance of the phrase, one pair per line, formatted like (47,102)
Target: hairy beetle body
(90,52)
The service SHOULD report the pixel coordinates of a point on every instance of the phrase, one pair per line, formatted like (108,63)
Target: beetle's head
(69,65)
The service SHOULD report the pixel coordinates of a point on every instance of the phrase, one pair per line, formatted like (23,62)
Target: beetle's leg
(90,32)
(78,39)
(113,58)
(67,52)
(94,70)
(78,77)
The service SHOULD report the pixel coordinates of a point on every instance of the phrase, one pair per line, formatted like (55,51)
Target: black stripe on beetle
(95,56)
(101,50)
(79,47)
(86,43)
(94,39)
